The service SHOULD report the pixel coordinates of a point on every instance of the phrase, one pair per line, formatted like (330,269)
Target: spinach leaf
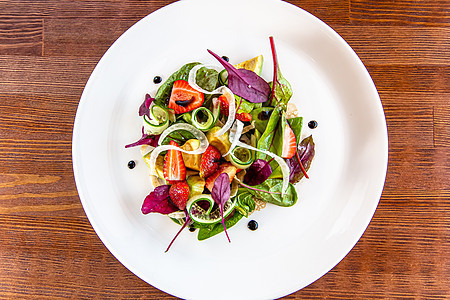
(208,231)
(272,140)
(261,117)
(275,186)
(244,202)
(163,93)
(282,91)
(207,79)
(296,126)
(244,105)
(266,140)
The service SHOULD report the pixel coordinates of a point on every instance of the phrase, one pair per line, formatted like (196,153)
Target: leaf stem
(223,223)
(301,165)
(188,219)
(275,68)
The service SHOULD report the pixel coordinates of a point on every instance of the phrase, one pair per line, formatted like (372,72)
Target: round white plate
(293,246)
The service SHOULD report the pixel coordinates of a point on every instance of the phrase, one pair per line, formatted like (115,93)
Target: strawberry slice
(224,110)
(224,105)
(174,169)
(289,143)
(184,98)
(244,117)
(223,168)
(209,162)
(179,194)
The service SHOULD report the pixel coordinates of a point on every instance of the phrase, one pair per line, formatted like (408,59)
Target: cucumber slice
(223,77)
(158,121)
(209,216)
(241,157)
(203,118)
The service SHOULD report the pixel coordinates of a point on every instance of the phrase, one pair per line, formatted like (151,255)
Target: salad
(219,139)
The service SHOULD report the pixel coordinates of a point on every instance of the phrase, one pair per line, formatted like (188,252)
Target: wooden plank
(441,116)
(332,12)
(82,36)
(59,77)
(400,12)
(384,45)
(127,9)
(398,78)
(53,261)
(414,168)
(21,35)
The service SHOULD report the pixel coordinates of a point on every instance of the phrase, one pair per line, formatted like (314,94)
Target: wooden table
(48,248)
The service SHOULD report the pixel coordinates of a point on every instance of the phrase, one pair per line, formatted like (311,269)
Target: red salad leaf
(158,202)
(144,109)
(305,151)
(188,220)
(221,194)
(258,172)
(146,139)
(245,83)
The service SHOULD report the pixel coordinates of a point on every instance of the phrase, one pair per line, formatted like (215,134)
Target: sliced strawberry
(184,98)
(174,169)
(223,168)
(244,117)
(179,194)
(289,143)
(209,163)
(224,105)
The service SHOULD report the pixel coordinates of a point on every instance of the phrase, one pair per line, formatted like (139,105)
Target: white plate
(293,246)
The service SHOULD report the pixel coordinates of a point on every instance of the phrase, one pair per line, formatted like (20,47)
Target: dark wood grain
(401,12)
(48,249)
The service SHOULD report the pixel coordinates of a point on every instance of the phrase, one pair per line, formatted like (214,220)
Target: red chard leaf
(158,202)
(305,153)
(221,194)
(146,139)
(144,109)
(258,172)
(245,83)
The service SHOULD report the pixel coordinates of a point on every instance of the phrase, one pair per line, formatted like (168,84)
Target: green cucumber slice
(241,157)
(223,77)
(203,118)
(158,121)
(210,216)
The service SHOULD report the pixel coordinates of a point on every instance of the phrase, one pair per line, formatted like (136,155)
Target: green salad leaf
(207,231)
(163,93)
(275,187)
(244,202)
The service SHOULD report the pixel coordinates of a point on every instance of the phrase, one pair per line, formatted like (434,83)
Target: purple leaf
(245,83)
(221,194)
(158,202)
(258,172)
(306,153)
(146,139)
(144,108)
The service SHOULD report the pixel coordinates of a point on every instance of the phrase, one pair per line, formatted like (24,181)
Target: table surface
(48,248)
